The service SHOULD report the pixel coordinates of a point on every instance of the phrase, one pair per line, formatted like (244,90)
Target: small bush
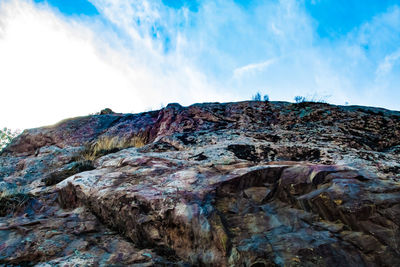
(256,97)
(6,136)
(300,99)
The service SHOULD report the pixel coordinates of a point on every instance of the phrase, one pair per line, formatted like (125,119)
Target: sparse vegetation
(12,199)
(256,97)
(314,98)
(84,161)
(106,145)
(6,136)
(299,99)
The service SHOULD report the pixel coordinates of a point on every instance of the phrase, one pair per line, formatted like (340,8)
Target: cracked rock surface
(234,184)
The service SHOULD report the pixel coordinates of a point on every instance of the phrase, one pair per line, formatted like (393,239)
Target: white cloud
(49,68)
(53,67)
(139,54)
(251,68)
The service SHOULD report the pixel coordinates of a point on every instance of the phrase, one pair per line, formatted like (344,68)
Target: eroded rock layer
(234,184)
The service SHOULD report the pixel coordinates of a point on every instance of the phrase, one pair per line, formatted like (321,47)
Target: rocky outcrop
(234,184)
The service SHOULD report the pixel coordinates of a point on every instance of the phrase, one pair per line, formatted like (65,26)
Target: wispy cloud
(251,68)
(389,61)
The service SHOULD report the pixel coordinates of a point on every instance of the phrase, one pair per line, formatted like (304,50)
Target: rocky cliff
(234,184)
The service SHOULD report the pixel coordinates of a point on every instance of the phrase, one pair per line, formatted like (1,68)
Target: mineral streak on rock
(235,184)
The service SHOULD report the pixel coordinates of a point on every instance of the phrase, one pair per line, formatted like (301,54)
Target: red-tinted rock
(235,184)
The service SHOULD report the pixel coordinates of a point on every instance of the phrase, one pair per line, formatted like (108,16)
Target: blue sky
(334,18)
(72,7)
(139,55)
(339,17)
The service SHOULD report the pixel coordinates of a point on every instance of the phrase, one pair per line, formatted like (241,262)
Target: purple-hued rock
(235,184)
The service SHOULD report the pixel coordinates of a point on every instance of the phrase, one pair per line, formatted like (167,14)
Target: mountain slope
(248,183)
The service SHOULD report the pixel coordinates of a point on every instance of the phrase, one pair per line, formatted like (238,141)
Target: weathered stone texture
(234,184)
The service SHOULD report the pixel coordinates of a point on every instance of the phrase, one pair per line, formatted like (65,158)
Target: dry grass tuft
(11,200)
(106,145)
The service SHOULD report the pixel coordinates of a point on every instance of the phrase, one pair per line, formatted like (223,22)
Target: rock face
(235,184)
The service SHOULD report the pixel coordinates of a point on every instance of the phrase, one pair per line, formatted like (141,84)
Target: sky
(61,59)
